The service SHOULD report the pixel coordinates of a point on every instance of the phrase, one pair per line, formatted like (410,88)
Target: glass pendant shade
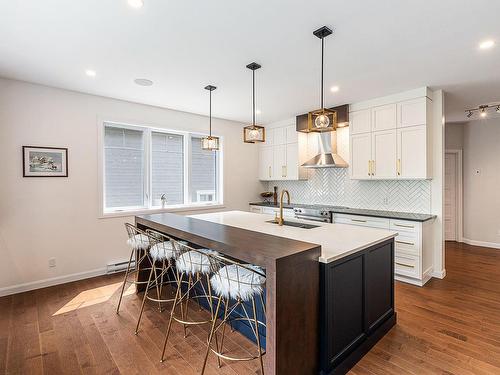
(210,143)
(254,134)
(322,120)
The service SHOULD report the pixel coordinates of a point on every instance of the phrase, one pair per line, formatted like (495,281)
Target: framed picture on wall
(45,161)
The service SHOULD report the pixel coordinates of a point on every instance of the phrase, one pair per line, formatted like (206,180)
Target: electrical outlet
(52,262)
(386,201)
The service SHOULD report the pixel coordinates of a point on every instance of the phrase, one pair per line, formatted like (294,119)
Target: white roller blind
(123,167)
(167,168)
(203,173)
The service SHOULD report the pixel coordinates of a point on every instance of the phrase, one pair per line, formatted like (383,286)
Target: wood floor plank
(450,326)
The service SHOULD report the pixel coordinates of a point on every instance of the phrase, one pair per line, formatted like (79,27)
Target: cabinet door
(279,156)
(384,153)
(256,209)
(279,136)
(360,150)
(266,163)
(291,134)
(384,117)
(360,121)
(292,161)
(412,152)
(379,276)
(412,112)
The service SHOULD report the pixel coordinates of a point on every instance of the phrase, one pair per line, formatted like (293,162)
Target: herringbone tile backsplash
(333,186)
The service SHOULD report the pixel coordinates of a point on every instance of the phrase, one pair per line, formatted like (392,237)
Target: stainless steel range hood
(328,157)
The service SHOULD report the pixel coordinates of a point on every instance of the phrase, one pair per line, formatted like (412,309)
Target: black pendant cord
(210,121)
(322,65)
(253,97)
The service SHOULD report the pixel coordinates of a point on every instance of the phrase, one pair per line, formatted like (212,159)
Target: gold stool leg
(225,321)
(125,281)
(210,336)
(144,301)
(158,294)
(257,334)
(172,312)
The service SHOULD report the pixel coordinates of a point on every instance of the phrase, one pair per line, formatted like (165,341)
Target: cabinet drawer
(365,221)
(407,265)
(407,244)
(256,209)
(405,226)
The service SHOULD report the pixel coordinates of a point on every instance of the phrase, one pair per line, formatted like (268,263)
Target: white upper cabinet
(266,162)
(413,112)
(384,117)
(384,145)
(413,159)
(281,156)
(291,134)
(279,136)
(360,121)
(398,129)
(361,156)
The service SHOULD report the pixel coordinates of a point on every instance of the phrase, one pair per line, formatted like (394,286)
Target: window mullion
(187,168)
(147,168)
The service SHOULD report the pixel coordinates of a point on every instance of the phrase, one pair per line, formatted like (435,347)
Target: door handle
(398,167)
(358,220)
(405,243)
(373,167)
(283,171)
(404,265)
(269,171)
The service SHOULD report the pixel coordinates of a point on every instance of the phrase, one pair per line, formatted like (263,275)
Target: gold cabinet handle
(369,167)
(405,243)
(358,220)
(403,226)
(398,167)
(373,167)
(404,265)
(283,171)
(269,171)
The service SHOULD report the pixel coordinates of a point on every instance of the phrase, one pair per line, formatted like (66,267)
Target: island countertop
(336,240)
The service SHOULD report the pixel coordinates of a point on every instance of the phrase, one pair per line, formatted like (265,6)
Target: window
(145,168)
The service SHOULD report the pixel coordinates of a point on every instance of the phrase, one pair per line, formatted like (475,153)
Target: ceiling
(378,48)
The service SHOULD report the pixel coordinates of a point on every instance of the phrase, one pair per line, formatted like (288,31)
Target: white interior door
(450,196)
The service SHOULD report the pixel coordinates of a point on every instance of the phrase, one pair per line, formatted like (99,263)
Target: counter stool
(140,242)
(163,255)
(236,284)
(193,267)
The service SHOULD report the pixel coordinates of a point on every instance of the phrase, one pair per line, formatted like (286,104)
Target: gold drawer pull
(359,221)
(404,226)
(405,243)
(405,265)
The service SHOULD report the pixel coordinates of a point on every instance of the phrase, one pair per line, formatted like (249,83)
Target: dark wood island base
(300,315)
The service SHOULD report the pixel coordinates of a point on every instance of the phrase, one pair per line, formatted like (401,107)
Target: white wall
(481,168)
(42,218)
(454,136)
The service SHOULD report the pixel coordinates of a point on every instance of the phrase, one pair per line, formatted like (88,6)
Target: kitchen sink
(295,224)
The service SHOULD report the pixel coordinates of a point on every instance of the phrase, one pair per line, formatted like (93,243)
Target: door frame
(459,196)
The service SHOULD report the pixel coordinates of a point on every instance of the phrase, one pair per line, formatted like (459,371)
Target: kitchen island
(329,289)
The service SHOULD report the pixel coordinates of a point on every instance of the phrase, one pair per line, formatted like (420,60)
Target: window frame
(148,207)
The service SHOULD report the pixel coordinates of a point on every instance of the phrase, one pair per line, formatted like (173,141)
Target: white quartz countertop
(336,240)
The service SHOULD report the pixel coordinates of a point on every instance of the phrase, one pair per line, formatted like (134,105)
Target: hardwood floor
(450,326)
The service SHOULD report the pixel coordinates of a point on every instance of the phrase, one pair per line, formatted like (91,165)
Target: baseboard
(439,274)
(494,245)
(19,288)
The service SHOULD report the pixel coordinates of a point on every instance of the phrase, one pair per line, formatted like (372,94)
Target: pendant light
(322,120)
(253,133)
(210,143)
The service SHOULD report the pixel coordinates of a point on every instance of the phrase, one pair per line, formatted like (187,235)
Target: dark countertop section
(355,211)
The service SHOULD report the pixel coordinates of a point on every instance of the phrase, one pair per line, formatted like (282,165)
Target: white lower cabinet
(287,212)
(413,250)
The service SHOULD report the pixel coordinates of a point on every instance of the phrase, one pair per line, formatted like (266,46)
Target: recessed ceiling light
(143,82)
(90,72)
(334,89)
(487,44)
(136,3)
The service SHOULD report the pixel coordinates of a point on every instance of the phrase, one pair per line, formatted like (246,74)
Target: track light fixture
(483,110)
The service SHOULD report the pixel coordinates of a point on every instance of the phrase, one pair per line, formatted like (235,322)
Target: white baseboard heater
(118,267)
